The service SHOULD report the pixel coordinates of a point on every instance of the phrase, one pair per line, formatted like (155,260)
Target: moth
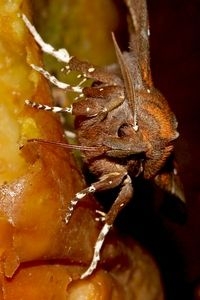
(124,125)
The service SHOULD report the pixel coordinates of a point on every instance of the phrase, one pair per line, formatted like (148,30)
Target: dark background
(175,60)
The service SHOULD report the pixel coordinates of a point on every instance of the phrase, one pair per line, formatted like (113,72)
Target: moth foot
(97,249)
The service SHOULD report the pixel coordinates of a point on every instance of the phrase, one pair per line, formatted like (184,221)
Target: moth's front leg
(109,97)
(106,182)
(93,106)
(123,198)
(90,71)
(85,69)
(89,107)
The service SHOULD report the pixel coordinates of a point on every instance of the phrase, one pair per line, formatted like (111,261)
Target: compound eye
(123,130)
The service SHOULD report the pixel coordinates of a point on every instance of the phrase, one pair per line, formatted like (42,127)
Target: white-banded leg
(54,109)
(82,108)
(72,63)
(123,198)
(56,82)
(108,181)
(60,54)
(80,195)
(97,249)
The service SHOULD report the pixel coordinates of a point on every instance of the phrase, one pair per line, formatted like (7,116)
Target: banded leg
(87,107)
(72,63)
(54,109)
(108,181)
(61,85)
(60,54)
(123,198)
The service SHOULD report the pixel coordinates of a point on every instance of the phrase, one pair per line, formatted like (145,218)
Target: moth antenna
(128,82)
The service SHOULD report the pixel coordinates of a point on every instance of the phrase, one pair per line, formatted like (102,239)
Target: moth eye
(123,130)
(96,83)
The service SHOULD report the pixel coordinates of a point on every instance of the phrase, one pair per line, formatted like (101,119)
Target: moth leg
(81,107)
(85,70)
(90,71)
(60,54)
(112,104)
(122,199)
(106,182)
(54,109)
(73,64)
(86,107)
(56,82)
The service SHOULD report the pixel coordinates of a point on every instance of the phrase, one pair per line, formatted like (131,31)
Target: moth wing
(139,40)
(168,179)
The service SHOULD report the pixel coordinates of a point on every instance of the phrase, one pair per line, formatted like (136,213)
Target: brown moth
(124,126)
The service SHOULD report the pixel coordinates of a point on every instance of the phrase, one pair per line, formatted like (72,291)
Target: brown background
(175,60)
